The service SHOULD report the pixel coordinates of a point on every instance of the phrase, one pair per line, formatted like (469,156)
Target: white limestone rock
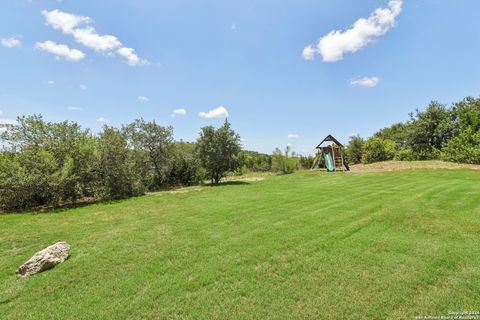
(45,259)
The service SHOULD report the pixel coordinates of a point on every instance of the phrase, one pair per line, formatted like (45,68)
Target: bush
(218,150)
(185,165)
(354,150)
(114,177)
(377,149)
(28,179)
(464,148)
(284,163)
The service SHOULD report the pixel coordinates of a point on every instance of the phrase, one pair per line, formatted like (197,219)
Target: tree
(156,141)
(464,148)
(467,114)
(218,150)
(70,148)
(113,175)
(353,152)
(377,149)
(185,168)
(431,129)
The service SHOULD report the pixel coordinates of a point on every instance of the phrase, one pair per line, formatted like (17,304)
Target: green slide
(329,162)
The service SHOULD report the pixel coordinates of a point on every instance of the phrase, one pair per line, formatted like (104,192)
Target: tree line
(44,163)
(47,164)
(441,132)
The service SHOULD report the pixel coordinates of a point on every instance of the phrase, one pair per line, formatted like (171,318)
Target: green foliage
(464,148)
(377,149)
(28,179)
(45,164)
(254,161)
(185,165)
(218,150)
(467,114)
(431,129)
(354,150)
(305,162)
(156,142)
(284,163)
(115,180)
(439,131)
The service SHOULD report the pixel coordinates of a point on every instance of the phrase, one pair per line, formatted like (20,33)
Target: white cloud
(293,136)
(51,82)
(335,44)
(365,82)
(76,109)
(179,112)
(12,42)
(80,28)
(308,52)
(83,87)
(132,58)
(218,113)
(91,39)
(61,50)
(143,99)
(103,120)
(63,21)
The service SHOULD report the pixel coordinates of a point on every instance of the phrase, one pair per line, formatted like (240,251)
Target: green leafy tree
(354,149)
(114,178)
(185,168)
(218,150)
(430,130)
(377,149)
(464,148)
(467,114)
(156,142)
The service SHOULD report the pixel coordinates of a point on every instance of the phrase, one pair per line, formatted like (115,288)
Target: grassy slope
(308,245)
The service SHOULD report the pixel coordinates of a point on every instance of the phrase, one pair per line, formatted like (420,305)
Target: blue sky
(274,66)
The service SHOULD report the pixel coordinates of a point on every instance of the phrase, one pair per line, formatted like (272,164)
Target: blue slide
(329,162)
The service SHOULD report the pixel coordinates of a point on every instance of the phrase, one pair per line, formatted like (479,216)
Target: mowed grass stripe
(308,245)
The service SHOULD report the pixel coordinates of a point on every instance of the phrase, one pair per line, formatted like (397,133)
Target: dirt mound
(405,165)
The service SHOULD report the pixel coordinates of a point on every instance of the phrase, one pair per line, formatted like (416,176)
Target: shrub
(218,150)
(377,149)
(284,163)
(354,150)
(464,148)
(185,165)
(28,179)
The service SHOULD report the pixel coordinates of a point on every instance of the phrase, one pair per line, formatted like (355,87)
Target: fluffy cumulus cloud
(81,29)
(333,46)
(179,112)
(218,113)
(12,42)
(293,136)
(143,99)
(131,57)
(365,82)
(102,120)
(60,51)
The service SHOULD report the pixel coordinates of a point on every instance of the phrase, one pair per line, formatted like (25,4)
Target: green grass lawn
(309,245)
